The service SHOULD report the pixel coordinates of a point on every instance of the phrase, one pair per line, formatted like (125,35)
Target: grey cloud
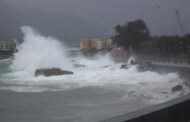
(158,14)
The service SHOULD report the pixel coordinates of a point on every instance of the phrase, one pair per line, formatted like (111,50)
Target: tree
(187,37)
(131,34)
(163,42)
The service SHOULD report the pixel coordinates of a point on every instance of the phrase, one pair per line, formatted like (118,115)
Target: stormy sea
(97,90)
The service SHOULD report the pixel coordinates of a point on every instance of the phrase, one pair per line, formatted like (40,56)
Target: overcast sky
(158,14)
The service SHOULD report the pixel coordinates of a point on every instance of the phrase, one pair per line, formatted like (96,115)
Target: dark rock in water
(104,67)
(147,66)
(133,62)
(78,65)
(124,66)
(177,88)
(52,72)
(164,92)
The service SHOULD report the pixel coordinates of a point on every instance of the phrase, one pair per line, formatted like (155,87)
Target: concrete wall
(177,110)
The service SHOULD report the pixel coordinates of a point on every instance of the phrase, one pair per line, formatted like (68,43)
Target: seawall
(177,110)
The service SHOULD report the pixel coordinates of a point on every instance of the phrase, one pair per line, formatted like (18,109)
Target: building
(7,48)
(98,43)
(86,43)
(119,54)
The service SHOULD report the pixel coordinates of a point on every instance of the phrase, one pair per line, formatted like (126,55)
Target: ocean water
(95,92)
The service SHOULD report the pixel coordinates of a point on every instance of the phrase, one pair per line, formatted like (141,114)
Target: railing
(164,56)
(173,60)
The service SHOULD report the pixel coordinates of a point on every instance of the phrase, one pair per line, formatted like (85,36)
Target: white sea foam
(39,52)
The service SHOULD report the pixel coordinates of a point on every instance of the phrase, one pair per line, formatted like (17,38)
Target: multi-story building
(7,48)
(98,43)
(86,43)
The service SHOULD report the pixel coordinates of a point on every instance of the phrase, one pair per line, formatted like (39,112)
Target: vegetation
(136,34)
(131,34)
(167,43)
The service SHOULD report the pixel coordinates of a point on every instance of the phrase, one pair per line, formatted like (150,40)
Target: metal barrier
(165,59)
(177,110)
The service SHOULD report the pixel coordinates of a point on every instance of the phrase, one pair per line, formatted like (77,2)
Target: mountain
(55,24)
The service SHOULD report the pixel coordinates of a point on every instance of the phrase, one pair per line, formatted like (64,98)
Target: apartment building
(98,43)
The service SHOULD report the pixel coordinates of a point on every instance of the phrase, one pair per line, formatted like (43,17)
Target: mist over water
(38,52)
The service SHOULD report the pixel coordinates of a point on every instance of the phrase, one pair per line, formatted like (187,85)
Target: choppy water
(149,86)
(97,91)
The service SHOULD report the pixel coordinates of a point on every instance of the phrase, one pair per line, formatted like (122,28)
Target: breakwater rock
(51,72)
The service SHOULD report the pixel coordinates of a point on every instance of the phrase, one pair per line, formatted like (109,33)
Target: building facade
(98,43)
(7,48)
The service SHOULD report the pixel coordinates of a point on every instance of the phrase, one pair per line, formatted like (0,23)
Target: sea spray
(100,72)
(96,61)
(131,59)
(150,87)
(38,51)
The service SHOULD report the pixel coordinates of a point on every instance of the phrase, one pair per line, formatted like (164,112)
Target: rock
(143,67)
(177,88)
(78,65)
(51,72)
(124,66)
(104,66)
